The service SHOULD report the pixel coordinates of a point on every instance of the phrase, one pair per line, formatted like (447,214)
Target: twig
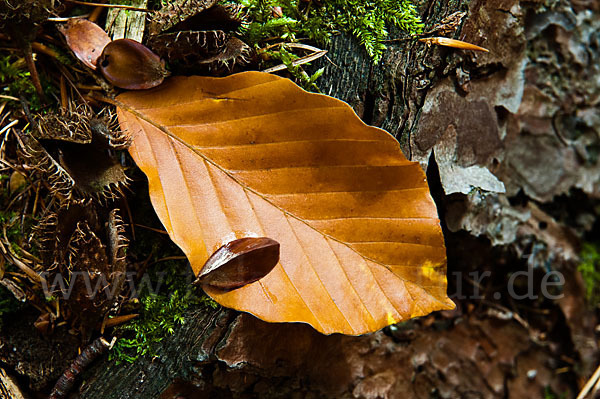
(5,128)
(101,98)
(88,355)
(402,39)
(41,48)
(88,87)
(37,197)
(125,7)
(27,112)
(591,382)
(64,98)
(66,19)
(596,389)
(9,97)
(35,78)
(11,124)
(4,116)
(14,289)
(297,62)
(26,269)
(66,74)
(293,45)
(115,321)
(18,196)
(94,15)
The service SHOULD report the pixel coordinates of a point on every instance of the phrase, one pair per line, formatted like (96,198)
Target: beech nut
(130,65)
(240,262)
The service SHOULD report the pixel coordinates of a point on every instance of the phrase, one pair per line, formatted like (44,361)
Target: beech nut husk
(130,65)
(240,262)
(85,39)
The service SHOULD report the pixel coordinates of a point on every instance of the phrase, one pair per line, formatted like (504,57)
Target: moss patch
(164,299)
(318,21)
(590,270)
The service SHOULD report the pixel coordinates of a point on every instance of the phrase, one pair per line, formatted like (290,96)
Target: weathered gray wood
(127,24)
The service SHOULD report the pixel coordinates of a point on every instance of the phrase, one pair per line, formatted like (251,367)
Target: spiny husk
(189,46)
(96,174)
(201,41)
(53,232)
(109,135)
(71,152)
(175,12)
(236,52)
(73,127)
(82,126)
(85,246)
(36,157)
(33,11)
(117,246)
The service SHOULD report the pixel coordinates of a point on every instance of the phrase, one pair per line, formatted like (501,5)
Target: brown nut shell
(240,262)
(85,39)
(130,65)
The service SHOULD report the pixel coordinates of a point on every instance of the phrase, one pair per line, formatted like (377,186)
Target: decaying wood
(125,24)
(148,378)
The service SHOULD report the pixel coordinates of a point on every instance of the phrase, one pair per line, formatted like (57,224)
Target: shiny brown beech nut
(130,65)
(240,262)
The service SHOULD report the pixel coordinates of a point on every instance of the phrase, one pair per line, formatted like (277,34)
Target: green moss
(14,77)
(550,394)
(590,270)
(15,81)
(160,313)
(304,79)
(368,21)
(17,227)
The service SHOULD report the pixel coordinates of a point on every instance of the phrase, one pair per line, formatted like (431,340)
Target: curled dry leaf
(252,154)
(44,323)
(130,65)
(240,262)
(444,41)
(85,39)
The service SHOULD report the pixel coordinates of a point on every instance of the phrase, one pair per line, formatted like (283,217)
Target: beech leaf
(253,155)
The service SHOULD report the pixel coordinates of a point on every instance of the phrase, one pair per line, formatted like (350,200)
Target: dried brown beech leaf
(254,155)
(444,41)
(86,40)
(240,262)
